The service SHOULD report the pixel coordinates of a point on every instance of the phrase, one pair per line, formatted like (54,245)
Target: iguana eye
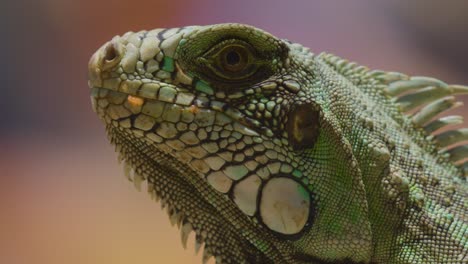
(232,60)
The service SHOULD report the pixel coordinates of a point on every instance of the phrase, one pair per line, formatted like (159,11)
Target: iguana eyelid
(204,60)
(213,60)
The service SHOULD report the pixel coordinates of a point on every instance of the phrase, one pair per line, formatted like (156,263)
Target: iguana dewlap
(273,154)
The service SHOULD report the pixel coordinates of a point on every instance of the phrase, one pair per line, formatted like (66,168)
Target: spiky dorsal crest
(422,100)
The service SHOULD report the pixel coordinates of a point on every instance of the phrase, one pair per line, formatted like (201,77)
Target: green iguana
(273,154)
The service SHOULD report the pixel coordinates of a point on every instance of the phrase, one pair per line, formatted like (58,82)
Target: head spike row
(433,109)
(464,169)
(420,90)
(174,218)
(137,181)
(354,71)
(451,137)
(414,83)
(128,171)
(198,243)
(458,153)
(442,123)
(426,95)
(120,158)
(389,77)
(185,233)
(206,255)
(434,97)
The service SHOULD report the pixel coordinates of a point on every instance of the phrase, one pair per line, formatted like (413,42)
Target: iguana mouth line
(250,126)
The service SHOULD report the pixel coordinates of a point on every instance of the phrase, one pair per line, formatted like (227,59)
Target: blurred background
(63,197)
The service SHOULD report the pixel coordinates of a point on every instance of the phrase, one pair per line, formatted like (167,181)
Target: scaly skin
(273,154)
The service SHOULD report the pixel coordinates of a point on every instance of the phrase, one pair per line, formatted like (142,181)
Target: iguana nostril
(104,61)
(110,53)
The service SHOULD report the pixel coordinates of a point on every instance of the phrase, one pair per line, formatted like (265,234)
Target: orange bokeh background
(63,197)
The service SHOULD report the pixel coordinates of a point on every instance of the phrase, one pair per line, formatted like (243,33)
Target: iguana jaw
(132,119)
(191,203)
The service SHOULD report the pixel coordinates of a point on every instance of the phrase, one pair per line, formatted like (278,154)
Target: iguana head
(232,130)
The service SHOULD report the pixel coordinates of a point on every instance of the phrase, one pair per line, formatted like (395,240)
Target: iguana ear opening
(303,126)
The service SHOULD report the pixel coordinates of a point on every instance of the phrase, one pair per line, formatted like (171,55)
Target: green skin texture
(380,189)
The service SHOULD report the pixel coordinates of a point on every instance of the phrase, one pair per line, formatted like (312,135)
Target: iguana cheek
(284,206)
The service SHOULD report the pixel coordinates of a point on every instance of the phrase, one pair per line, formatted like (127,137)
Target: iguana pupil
(233,58)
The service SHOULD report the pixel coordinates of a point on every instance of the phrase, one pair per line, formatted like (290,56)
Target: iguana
(273,154)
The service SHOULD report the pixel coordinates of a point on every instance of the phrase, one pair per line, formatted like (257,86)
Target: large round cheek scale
(284,206)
